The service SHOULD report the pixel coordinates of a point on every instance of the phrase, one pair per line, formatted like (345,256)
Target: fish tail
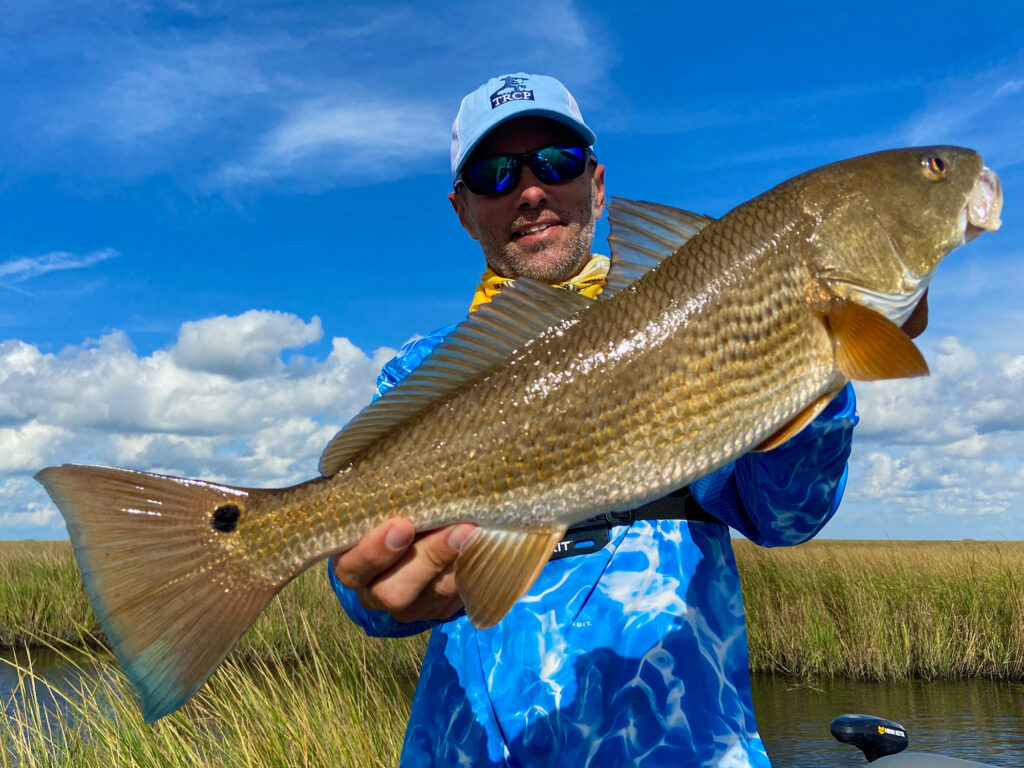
(163,572)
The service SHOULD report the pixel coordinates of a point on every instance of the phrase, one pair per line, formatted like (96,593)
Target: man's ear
(462,209)
(598,182)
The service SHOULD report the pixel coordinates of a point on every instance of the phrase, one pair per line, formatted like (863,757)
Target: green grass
(341,707)
(885,610)
(306,688)
(41,594)
(42,601)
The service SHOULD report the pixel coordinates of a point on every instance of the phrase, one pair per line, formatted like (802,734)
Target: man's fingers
(376,552)
(412,578)
(438,610)
(423,578)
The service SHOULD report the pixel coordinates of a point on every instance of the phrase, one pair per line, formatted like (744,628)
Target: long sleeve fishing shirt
(632,655)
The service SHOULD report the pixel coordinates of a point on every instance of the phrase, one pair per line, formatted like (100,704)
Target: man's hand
(411,577)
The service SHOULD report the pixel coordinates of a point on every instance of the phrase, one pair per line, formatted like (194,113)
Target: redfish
(712,338)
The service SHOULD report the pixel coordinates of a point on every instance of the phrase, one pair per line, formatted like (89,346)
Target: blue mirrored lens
(492,174)
(558,163)
(499,173)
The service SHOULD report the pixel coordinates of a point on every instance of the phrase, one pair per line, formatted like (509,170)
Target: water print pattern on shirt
(633,655)
(620,673)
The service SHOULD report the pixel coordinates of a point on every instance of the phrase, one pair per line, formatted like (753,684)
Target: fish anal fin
(791,428)
(156,555)
(498,566)
(869,346)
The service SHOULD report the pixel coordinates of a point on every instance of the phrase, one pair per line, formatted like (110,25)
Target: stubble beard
(551,264)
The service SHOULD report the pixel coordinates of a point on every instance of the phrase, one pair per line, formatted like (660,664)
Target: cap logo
(514,89)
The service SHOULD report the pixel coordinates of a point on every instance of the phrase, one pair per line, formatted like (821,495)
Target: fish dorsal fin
(497,566)
(869,346)
(477,345)
(642,236)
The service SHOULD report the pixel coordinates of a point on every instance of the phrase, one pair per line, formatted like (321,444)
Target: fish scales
(730,343)
(685,371)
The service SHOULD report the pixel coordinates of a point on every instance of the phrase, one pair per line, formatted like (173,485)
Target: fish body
(716,337)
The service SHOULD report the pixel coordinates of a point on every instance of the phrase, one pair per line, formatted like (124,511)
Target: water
(971,719)
(46,665)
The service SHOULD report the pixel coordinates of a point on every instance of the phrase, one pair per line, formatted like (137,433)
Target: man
(634,653)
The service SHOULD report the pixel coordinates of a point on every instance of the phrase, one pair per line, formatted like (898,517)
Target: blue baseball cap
(508,96)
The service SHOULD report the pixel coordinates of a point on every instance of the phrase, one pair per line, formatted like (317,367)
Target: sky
(220,219)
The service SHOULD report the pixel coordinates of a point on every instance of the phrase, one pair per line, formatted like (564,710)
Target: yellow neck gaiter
(589,282)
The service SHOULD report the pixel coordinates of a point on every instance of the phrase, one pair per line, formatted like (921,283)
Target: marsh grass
(878,610)
(305,688)
(41,594)
(334,710)
(42,601)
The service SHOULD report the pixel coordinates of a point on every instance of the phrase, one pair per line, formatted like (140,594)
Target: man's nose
(531,190)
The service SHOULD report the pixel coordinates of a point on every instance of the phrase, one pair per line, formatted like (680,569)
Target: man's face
(537,229)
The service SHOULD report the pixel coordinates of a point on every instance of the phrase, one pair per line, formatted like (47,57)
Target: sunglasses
(500,173)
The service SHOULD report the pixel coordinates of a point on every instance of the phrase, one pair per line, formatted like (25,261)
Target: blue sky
(221,218)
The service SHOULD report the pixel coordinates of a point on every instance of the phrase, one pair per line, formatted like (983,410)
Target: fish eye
(934,167)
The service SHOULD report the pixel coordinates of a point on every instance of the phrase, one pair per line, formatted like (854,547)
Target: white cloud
(22,448)
(1010,86)
(237,96)
(254,420)
(30,511)
(25,268)
(970,447)
(165,89)
(954,360)
(384,127)
(951,444)
(338,136)
(242,347)
(1013,367)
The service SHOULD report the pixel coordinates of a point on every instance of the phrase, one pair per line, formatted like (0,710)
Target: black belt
(591,534)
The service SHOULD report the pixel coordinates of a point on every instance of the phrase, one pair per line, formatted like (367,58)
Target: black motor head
(874,736)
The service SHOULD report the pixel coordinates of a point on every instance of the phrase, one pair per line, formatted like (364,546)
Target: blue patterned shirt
(632,655)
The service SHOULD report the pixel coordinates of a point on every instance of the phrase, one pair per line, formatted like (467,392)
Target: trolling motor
(873,736)
(882,740)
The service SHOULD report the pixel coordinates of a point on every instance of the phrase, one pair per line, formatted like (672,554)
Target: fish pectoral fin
(869,346)
(156,557)
(498,566)
(792,427)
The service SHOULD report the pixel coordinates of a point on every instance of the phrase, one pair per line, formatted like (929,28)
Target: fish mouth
(981,214)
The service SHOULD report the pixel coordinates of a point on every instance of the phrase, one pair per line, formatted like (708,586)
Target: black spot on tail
(225,519)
